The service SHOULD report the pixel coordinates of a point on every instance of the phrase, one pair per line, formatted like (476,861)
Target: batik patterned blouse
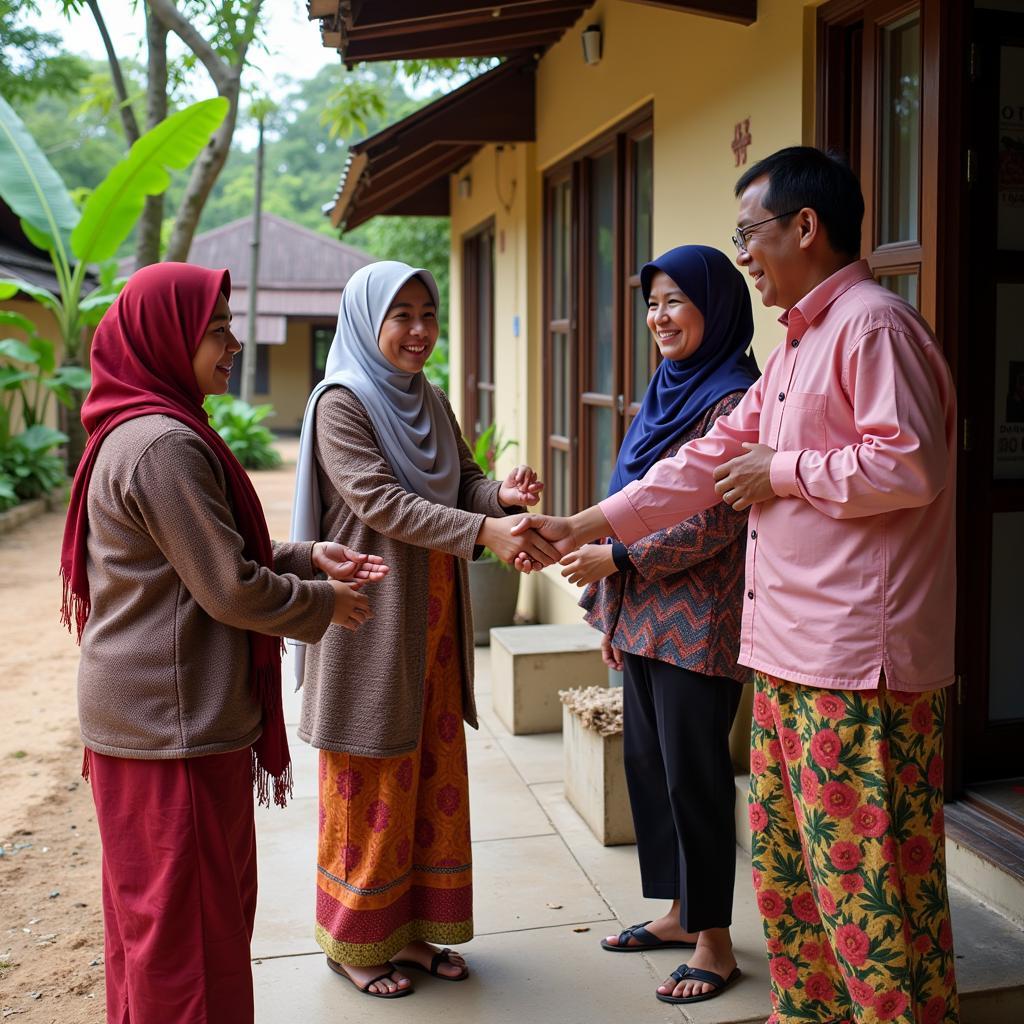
(682,601)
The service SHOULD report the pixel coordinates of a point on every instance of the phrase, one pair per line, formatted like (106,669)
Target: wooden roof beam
(742,11)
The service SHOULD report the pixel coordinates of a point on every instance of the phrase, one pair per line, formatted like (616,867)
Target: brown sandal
(340,969)
(443,957)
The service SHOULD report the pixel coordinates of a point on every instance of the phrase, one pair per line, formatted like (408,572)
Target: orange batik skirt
(393,860)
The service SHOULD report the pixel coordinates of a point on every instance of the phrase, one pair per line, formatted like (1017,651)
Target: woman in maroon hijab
(179,600)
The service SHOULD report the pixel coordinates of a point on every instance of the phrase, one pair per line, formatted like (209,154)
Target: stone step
(530,664)
(989,942)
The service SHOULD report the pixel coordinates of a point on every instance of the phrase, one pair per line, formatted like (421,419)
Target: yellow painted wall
(46,327)
(702,77)
(289,377)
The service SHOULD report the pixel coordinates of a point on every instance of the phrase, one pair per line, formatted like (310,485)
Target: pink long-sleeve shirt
(850,569)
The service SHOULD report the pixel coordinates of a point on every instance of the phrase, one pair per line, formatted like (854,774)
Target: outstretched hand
(511,547)
(347,566)
(588,564)
(520,487)
(557,530)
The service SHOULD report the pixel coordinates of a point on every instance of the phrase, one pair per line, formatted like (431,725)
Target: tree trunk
(70,421)
(147,246)
(131,126)
(204,175)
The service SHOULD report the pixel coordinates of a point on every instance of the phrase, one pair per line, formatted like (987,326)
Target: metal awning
(370,30)
(404,169)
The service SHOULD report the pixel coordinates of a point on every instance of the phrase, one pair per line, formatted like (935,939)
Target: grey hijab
(411,424)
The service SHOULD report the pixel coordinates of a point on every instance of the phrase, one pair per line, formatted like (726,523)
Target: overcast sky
(293,41)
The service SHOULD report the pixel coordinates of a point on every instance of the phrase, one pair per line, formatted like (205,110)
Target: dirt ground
(51,927)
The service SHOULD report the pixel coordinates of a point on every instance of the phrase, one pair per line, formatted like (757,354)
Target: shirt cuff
(620,556)
(623,518)
(782,474)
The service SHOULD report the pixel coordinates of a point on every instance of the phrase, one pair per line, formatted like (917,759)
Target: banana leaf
(31,187)
(112,210)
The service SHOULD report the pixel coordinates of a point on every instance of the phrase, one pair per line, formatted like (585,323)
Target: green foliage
(240,424)
(32,62)
(28,465)
(489,447)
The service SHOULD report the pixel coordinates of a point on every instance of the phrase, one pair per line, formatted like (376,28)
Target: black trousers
(676,746)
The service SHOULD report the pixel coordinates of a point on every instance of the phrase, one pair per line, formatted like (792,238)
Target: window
(261,386)
(321,337)
(598,356)
(872,60)
(478,330)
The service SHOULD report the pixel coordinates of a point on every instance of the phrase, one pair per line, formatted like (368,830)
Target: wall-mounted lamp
(465,186)
(592,44)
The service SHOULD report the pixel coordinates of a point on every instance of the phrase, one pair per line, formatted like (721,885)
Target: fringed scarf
(141,359)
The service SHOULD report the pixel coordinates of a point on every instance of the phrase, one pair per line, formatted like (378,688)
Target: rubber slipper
(686,973)
(645,941)
(443,957)
(340,969)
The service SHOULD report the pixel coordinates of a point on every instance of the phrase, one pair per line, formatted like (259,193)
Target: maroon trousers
(179,887)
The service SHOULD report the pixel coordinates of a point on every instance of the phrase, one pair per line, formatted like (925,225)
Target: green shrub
(8,495)
(240,424)
(29,465)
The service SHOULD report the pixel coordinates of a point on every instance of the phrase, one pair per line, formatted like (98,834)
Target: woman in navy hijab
(669,607)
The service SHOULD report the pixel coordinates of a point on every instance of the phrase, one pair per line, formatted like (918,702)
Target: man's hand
(555,529)
(520,487)
(342,563)
(516,547)
(588,564)
(746,480)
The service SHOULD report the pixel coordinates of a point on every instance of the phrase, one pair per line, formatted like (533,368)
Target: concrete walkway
(546,892)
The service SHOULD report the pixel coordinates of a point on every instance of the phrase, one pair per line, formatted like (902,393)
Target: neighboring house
(20,260)
(301,277)
(562,175)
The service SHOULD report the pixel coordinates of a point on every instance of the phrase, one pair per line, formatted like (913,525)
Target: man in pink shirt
(844,451)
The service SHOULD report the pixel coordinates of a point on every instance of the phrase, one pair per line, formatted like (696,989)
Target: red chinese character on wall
(740,141)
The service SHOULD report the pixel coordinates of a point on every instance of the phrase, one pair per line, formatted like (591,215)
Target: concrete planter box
(530,664)
(493,593)
(595,780)
(55,501)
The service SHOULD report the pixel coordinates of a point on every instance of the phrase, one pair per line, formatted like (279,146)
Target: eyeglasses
(739,238)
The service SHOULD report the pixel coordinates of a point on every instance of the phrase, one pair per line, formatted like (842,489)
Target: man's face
(772,253)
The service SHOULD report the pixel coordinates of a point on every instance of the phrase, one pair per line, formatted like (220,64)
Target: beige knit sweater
(363,690)
(164,671)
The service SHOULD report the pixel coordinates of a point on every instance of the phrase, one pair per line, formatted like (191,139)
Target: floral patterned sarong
(848,854)
(393,858)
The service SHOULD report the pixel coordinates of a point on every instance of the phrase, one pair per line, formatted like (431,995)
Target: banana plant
(76,240)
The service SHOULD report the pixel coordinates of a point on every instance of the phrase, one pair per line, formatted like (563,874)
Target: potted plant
(493,585)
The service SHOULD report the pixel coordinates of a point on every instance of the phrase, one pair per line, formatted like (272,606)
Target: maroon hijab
(141,360)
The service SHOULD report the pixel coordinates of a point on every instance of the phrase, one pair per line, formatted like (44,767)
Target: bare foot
(713,953)
(392,983)
(667,928)
(423,953)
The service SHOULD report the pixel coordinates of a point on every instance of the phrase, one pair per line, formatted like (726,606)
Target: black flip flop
(686,973)
(645,941)
(398,993)
(442,957)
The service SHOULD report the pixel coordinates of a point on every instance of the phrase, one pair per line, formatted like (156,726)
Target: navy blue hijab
(682,390)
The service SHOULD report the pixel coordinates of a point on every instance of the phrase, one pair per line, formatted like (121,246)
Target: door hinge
(967,435)
(620,403)
(972,167)
(974,64)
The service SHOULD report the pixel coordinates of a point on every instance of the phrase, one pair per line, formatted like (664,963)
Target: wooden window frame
(471,242)
(578,443)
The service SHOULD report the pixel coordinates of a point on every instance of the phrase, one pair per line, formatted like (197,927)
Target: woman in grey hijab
(383,467)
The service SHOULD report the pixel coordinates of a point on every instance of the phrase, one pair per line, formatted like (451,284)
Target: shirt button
(753,534)
(795,342)
(750,594)
(782,396)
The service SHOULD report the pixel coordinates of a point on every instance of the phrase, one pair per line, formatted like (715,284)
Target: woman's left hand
(588,564)
(348,566)
(520,487)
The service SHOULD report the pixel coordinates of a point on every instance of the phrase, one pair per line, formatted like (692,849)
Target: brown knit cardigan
(363,690)
(164,669)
